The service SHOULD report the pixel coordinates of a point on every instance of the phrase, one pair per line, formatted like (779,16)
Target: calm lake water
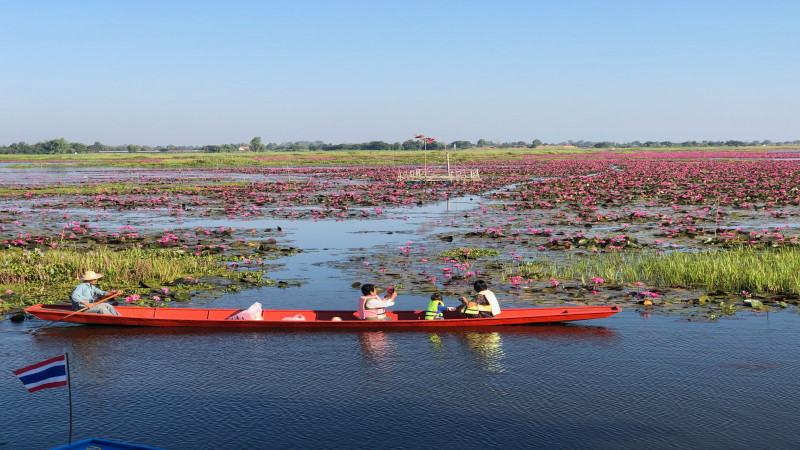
(628,381)
(624,382)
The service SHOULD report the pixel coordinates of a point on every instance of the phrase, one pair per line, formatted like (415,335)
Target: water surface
(625,381)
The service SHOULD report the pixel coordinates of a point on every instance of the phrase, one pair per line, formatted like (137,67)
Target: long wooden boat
(314,319)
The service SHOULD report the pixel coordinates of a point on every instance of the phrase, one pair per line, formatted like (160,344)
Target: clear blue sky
(200,72)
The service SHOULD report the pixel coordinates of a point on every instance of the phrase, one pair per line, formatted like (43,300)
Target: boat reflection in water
(486,348)
(378,349)
(379,360)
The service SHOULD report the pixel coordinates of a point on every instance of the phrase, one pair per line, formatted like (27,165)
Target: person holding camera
(373,307)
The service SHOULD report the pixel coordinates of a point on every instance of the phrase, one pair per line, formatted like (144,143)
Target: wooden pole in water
(69,395)
(449,175)
(425,150)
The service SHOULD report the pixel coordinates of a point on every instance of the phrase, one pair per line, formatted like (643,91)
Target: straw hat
(90,275)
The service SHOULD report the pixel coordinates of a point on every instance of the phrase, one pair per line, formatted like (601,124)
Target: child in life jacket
(436,307)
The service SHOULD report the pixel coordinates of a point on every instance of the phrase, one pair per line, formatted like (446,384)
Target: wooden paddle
(76,312)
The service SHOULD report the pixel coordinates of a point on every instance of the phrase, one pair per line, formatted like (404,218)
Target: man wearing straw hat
(87,293)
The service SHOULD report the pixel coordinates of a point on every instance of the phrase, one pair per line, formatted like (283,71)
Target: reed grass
(732,271)
(353,158)
(468,253)
(318,158)
(89,189)
(51,274)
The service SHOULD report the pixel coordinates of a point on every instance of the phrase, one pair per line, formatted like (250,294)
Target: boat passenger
(87,293)
(482,304)
(373,307)
(436,307)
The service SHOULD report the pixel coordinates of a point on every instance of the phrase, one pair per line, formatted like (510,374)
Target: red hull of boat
(314,319)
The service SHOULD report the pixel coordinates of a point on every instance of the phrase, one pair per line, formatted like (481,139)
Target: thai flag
(431,140)
(46,374)
(419,136)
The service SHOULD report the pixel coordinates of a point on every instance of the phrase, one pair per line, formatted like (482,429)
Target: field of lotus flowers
(700,233)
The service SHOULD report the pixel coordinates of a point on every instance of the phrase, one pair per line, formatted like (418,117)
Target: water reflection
(486,348)
(436,345)
(88,332)
(378,350)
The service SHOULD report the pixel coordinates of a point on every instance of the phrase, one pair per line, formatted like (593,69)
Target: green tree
(412,144)
(79,147)
(376,145)
(435,145)
(21,147)
(96,147)
(461,144)
(484,143)
(536,143)
(733,143)
(256,145)
(55,147)
(133,148)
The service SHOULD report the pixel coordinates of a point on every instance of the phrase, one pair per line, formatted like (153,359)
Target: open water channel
(634,380)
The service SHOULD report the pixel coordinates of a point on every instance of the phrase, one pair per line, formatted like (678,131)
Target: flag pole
(69,390)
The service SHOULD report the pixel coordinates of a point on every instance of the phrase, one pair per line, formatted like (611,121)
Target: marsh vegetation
(681,225)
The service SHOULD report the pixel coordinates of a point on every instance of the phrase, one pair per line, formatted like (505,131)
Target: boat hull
(314,319)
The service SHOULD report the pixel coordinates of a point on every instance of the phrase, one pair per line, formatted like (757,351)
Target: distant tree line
(61,146)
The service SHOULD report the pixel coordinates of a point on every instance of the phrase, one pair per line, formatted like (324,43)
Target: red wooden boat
(313,319)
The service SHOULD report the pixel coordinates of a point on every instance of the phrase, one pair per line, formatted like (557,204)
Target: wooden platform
(439,176)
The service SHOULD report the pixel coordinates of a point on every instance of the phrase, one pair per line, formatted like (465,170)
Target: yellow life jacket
(476,304)
(433,310)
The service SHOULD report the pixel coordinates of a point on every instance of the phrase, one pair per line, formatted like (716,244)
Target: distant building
(244,148)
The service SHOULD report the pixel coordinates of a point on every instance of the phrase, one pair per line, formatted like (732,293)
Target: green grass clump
(466,254)
(47,276)
(734,271)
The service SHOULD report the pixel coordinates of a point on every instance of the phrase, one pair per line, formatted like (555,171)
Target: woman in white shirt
(373,307)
